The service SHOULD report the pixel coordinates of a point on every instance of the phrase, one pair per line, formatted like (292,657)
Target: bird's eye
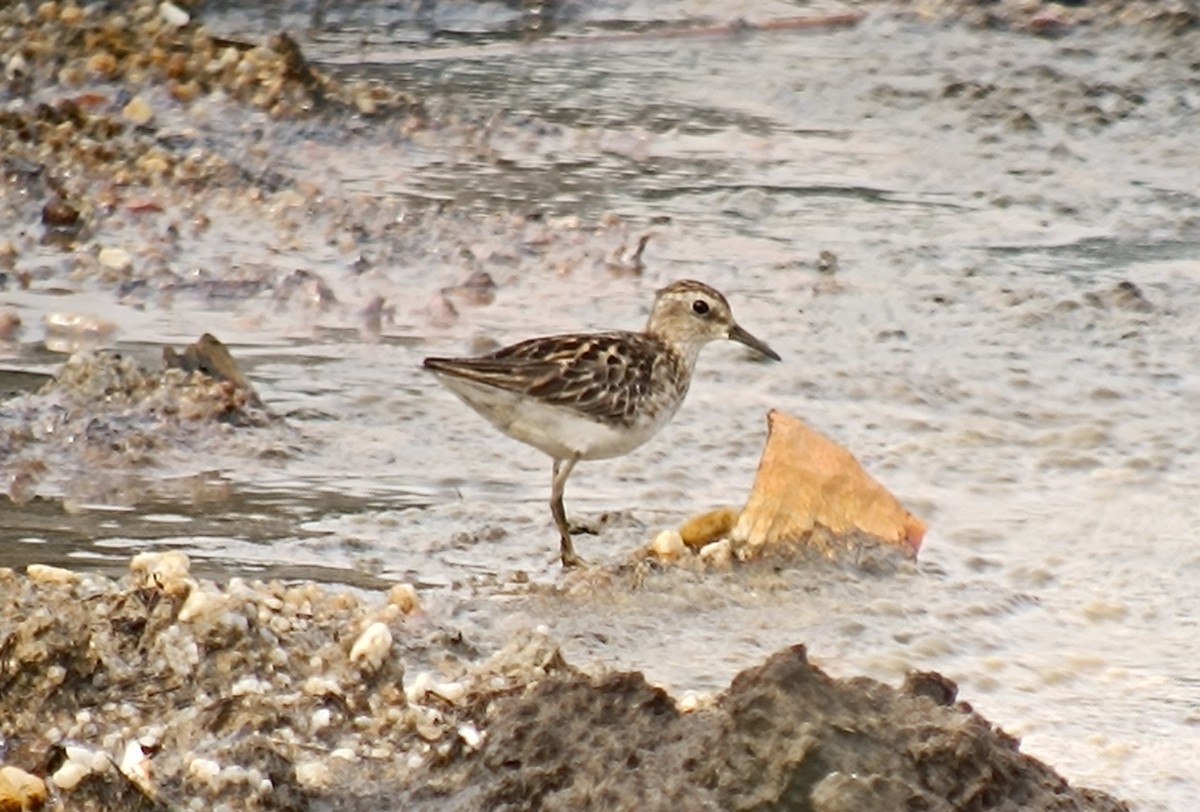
(700,307)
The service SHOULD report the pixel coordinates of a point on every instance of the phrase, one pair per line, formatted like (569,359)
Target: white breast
(555,430)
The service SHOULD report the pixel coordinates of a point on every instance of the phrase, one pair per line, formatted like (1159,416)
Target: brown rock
(807,482)
(20,791)
(708,527)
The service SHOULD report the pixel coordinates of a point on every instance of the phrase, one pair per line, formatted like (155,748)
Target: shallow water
(986,195)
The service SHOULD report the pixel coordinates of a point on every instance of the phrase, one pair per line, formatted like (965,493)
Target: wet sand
(969,230)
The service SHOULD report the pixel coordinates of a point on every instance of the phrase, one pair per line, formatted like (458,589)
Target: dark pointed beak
(736,333)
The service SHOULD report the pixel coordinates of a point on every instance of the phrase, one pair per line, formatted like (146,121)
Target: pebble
(668,545)
(115,259)
(708,527)
(46,574)
(166,570)
(20,790)
(204,770)
(201,604)
(138,112)
(717,554)
(173,15)
(69,774)
(372,645)
(404,596)
(135,766)
(314,775)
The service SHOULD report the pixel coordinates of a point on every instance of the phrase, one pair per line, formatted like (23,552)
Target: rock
(45,574)
(807,484)
(705,528)
(20,791)
(138,112)
(372,645)
(668,546)
(209,356)
(173,15)
(70,332)
(115,259)
(404,597)
(167,571)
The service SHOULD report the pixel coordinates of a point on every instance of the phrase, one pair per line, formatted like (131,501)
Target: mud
(260,696)
(969,228)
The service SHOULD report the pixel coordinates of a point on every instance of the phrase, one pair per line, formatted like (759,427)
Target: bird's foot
(569,557)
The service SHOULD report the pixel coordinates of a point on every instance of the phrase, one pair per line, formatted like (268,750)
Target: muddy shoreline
(162,692)
(119,168)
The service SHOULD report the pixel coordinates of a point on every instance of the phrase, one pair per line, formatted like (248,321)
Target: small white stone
(204,770)
(115,259)
(428,722)
(404,596)
(471,736)
(717,554)
(166,570)
(419,687)
(345,754)
(173,15)
(201,603)
(321,719)
(16,67)
(135,766)
(70,774)
(668,545)
(249,685)
(314,775)
(321,686)
(452,692)
(45,574)
(372,645)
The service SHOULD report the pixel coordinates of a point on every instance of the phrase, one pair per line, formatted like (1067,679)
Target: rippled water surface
(1008,342)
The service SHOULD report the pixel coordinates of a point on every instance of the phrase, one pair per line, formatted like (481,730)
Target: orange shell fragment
(805,481)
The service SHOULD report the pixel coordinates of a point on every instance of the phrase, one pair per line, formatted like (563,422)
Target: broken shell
(135,766)
(201,603)
(452,692)
(138,112)
(404,596)
(668,546)
(173,15)
(314,775)
(708,527)
(115,259)
(718,554)
(204,770)
(804,480)
(470,736)
(46,574)
(20,790)
(419,687)
(372,645)
(167,571)
(70,774)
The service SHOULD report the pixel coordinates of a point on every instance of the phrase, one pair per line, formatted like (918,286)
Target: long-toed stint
(591,396)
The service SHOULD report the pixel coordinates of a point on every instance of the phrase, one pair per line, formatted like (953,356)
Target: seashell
(806,480)
(167,571)
(173,15)
(314,775)
(708,527)
(372,645)
(201,603)
(46,574)
(668,546)
(20,790)
(404,596)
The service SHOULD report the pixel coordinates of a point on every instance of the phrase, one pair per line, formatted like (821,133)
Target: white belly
(559,432)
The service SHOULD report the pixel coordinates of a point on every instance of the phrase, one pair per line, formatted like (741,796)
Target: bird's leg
(562,470)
